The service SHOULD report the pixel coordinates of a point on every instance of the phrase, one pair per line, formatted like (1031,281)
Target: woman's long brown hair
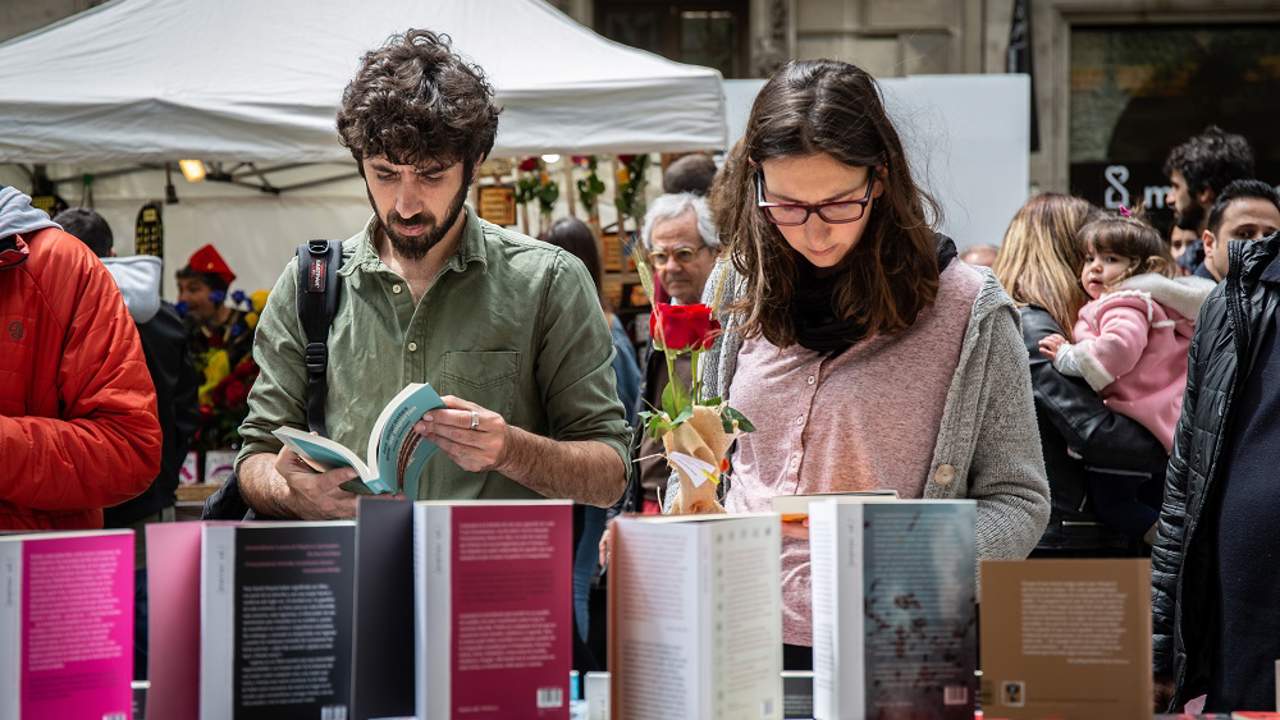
(1041,256)
(825,106)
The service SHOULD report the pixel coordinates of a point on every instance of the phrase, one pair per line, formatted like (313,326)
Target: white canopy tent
(243,80)
(154,81)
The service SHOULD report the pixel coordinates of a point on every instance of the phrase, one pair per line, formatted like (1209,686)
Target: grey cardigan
(988,446)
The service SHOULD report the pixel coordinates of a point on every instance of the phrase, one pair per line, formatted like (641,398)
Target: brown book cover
(1066,639)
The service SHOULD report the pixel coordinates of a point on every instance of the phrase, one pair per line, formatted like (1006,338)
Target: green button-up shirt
(510,323)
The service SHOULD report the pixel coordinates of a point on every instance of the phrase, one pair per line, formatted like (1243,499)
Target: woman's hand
(1051,344)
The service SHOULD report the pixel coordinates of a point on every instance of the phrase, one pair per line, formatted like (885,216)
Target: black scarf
(813,315)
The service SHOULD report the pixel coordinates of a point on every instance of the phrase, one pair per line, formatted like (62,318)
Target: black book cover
(293,621)
(383,681)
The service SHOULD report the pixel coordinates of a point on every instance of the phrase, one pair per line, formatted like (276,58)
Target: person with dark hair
(78,426)
(1130,344)
(1186,249)
(1039,263)
(91,228)
(835,282)
(1245,210)
(692,173)
(1198,170)
(507,329)
(576,237)
(1213,566)
(164,345)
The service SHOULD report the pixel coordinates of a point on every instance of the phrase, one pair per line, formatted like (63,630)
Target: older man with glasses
(681,240)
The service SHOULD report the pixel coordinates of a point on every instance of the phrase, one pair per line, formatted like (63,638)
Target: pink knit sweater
(865,419)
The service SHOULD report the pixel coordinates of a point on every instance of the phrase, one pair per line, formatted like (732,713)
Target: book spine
(851,642)
(705,657)
(11,627)
(439,589)
(217,623)
(419,609)
(825,598)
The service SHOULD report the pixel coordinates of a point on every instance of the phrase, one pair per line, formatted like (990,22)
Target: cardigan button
(944,475)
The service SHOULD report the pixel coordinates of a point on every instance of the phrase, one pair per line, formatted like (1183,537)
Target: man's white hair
(671,206)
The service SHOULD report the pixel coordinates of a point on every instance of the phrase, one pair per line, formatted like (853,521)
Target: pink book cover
(173,609)
(512,600)
(77,625)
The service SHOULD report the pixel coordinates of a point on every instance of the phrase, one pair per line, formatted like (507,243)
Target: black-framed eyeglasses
(836,212)
(683,255)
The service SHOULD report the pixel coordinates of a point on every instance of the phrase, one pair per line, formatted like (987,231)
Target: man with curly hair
(506,328)
(1198,170)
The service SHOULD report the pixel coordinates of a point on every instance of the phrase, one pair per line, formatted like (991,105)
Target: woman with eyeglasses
(867,355)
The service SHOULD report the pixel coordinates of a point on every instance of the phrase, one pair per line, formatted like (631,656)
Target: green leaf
(743,423)
(711,402)
(674,399)
(682,417)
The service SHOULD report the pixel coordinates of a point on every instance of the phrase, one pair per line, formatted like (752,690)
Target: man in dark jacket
(1214,579)
(164,341)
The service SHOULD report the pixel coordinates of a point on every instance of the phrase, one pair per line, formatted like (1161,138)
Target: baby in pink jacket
(1132,338)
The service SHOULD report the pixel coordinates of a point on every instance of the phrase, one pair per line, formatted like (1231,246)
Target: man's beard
(417,247)
(1191,219)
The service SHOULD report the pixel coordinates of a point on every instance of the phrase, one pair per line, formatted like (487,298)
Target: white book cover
(696,617)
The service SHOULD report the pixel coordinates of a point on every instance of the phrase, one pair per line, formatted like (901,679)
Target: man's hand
(474,438)
(315,495)
(1051,344)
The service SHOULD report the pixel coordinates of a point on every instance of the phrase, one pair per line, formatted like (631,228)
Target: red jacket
(78,428)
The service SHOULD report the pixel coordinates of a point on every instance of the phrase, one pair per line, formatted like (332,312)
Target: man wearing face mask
(505,328)
(1198,170)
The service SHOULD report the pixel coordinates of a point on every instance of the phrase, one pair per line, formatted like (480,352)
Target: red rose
(206,412)
(235,393)
(626,159)
(245,370)
(682,327)
(529,164)
(581,160)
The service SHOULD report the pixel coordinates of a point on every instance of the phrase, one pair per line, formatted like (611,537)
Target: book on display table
(894,613)
(695,617)
(493,608)
(66,616)
(276,620)
(1066,639)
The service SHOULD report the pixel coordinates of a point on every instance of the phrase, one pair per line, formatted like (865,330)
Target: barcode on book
(955,695)
(333,712)
(550,697)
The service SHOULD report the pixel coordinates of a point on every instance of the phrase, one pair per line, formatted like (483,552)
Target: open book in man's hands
(396,454)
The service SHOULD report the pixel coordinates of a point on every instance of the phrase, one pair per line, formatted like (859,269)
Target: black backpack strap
(318,290)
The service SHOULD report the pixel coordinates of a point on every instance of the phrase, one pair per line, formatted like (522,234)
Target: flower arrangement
(535,183)
(590,188)
(696,432)
(629,181)
(224,393)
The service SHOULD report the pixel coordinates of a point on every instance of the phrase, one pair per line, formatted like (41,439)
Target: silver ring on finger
(475,420)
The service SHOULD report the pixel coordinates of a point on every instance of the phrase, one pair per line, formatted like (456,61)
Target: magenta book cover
(77,621)
(173,609)
(512,611)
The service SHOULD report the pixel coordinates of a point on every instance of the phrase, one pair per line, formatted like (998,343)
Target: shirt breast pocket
(486,378)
